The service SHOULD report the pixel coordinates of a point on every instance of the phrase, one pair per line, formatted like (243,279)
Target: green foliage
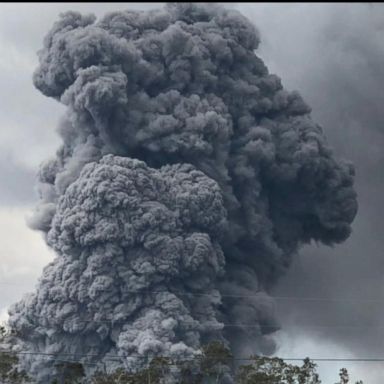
(120,376)
(69,373)
(215,360)
(8,363)
(8,371)
(157,370)
(3,332)
(266,370)
(344,377)
(209,368)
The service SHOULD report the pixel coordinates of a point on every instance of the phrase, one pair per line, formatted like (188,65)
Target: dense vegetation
(212,367)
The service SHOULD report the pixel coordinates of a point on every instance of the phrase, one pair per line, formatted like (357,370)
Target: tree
(214,362)
(266,370)
(120,376)
(211,367)
(344,377)
(157,370)
(69,372)
(8,369)
(8,362)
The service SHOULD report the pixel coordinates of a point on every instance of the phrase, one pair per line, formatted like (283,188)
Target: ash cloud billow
(187,180)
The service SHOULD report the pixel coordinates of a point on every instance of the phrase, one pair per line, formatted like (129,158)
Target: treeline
(215,365)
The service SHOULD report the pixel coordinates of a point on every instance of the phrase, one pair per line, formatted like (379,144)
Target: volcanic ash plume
(186,182)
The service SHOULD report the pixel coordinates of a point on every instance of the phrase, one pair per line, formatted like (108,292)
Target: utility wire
(118,357)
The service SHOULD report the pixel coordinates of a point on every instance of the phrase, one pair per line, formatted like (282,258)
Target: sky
(332,54)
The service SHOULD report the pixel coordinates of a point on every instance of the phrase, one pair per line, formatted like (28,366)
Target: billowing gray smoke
(186,182)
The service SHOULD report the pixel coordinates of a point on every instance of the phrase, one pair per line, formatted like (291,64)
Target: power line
(118,357)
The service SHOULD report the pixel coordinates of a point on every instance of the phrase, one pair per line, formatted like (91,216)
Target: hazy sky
(333,54)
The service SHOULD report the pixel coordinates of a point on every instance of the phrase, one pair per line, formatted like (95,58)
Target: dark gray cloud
(26,133)
(183,155)
(337,65)
(159,229)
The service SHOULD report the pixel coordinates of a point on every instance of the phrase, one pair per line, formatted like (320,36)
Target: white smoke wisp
(187,180)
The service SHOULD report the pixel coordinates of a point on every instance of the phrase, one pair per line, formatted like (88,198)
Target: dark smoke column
(187,180)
